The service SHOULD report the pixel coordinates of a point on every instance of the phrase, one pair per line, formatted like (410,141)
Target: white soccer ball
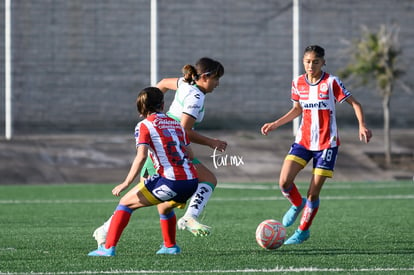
(270,234)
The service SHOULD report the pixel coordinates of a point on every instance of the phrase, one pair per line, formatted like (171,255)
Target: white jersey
(188,100)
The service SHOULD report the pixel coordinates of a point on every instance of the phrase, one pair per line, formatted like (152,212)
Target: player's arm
(188,121)
(365,134)
(136,166)
(167,84)
(289,116)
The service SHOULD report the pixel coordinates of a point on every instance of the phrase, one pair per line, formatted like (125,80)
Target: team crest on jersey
(323,87)
(323,91)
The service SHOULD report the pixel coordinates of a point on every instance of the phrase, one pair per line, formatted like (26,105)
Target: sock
(119,221)
(309,212)
(292,194)
(199,200)
(107,223)
(168,228)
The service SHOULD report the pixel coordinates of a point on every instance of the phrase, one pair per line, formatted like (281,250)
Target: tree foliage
(374,58)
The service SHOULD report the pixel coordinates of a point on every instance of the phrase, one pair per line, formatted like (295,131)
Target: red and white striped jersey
(167,143)
(318,129)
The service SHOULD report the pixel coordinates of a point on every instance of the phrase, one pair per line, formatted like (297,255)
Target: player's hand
(267,127)
(365,135)
(119,188)
(219,145)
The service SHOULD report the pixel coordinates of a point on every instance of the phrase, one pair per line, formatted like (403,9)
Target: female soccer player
(175,182)
(188,108)
(314,94)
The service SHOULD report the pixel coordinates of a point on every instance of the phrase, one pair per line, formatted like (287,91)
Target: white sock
(199,200)
(107,223)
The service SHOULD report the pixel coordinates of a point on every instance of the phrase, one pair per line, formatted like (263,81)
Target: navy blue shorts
(157,189)
(323,161)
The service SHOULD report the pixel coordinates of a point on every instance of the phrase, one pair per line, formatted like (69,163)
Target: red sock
(293,195)
(168,228)
(309,212)
(119,221)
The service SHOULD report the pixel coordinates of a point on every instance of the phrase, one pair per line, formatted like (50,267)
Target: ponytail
(189,73)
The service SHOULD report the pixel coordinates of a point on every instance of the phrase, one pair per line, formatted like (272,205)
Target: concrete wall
(78,64)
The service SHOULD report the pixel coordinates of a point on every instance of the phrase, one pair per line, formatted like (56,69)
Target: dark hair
(204,66)
(150,100)
(318,50)
(189,73)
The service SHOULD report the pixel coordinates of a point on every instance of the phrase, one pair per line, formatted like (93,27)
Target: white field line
(385,197)
(327,185)
(238,271)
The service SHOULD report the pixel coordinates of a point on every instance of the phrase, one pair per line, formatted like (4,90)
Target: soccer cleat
(103,252)
(192,225)
(100,235)
(290,216)
(169,250)
(298,237)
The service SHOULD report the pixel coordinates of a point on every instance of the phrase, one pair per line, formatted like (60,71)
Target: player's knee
(285,184)
(208,177)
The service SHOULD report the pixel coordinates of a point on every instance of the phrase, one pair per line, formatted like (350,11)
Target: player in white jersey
(188,108)
(175,182)
(314,96)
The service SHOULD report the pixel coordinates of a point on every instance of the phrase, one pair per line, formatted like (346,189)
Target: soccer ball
(270,234)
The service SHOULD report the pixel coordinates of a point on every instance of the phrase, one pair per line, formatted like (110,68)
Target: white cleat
(192,225)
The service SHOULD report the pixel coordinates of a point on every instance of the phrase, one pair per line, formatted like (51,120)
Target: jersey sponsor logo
(323,96)
(194,106)
(166,123)
(164,193)
(315,105)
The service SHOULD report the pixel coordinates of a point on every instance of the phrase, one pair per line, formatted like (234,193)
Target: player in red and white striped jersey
(318,130)
(314,95)
(188,109)
(166,140)
(175,182)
